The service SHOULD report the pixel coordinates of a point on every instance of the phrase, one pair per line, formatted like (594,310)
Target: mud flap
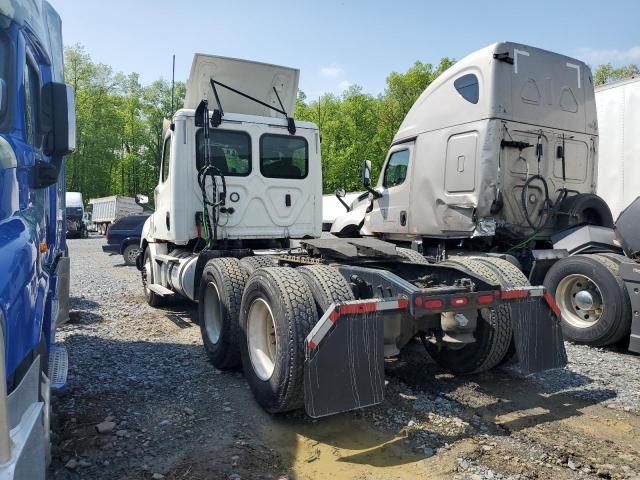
(344,361)
(537,334)
(630,273)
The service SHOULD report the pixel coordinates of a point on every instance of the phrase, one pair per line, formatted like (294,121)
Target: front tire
(219,301)
(153,299)
(594,303)
(276,316)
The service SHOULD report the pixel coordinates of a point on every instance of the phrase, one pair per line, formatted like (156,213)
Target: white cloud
(331,72)
(595,57)
(344,85)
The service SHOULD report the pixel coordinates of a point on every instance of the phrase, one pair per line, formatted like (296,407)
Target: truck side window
(228,150)
(396,170)
(31,94)
(467,86)
(284,156)
(166,155)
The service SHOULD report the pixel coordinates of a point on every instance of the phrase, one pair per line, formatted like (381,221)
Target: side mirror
(58,120)
(142,199)
(58,124)
(340,193)
(366,173)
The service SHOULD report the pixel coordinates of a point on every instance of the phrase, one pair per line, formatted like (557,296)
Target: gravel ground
(143,402)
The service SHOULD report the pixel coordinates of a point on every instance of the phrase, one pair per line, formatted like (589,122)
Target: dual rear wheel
(259,318)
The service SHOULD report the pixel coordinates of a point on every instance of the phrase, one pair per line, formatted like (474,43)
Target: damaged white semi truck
(499,158)
(311,320)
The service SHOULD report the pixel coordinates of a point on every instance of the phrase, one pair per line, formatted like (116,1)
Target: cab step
(160,290)
(58,366)
(166,258)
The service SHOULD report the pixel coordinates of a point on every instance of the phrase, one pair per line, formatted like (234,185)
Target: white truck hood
(253,78)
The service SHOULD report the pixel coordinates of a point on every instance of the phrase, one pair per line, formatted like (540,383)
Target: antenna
(173,82)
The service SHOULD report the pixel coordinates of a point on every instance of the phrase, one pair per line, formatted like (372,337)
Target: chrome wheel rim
(212,313)
(261,339)
(580,300)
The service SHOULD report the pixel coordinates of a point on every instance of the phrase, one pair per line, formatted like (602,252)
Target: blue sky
(339,42)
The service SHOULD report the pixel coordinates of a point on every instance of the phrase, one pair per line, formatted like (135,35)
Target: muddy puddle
(343,447)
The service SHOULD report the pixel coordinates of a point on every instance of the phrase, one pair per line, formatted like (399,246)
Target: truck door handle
(403,218)
(287,200)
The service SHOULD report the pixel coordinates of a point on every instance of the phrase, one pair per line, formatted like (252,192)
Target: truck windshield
(75,212)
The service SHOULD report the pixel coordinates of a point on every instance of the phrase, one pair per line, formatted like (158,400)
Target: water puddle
(342,447)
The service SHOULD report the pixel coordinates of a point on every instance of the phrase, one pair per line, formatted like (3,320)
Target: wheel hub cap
(584,300)
(580,300)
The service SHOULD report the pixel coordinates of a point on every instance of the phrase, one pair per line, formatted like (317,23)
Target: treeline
(119,128)
(357,126)
(119,124)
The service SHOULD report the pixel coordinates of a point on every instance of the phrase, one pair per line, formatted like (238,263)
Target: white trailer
(618,106)
(107,210)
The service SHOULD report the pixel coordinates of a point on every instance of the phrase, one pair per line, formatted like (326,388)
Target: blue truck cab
(37,129)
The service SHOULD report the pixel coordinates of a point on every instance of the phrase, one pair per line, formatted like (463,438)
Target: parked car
(123,237)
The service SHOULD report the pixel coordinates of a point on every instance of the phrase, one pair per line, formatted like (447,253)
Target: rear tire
(130,254)
(327,286)
(510,276)
(595,306)
(251,264)
(276,316)
(493,334)
(412,255)
(153,299)
(219,301)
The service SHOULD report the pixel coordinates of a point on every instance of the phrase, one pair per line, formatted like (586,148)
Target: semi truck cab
(37,128)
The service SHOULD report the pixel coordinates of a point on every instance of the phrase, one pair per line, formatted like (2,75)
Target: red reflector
(514,294)
(355,308)
(485,299)
(418,301)
(459,301)
(552,303)
(433,304)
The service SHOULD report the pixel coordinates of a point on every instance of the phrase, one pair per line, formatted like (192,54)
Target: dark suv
(123,237)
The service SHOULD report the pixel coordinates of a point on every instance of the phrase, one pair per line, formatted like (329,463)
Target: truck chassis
(311,326)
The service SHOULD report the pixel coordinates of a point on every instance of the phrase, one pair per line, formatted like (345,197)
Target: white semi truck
(499,156)
(237,229)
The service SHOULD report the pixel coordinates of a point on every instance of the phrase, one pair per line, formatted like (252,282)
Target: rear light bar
(482,299)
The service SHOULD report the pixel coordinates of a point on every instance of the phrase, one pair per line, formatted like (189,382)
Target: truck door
(390,213)
(162,193)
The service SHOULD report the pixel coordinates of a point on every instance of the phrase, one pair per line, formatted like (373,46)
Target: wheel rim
(580,300)
(262,339)
(212,313)
(132,254)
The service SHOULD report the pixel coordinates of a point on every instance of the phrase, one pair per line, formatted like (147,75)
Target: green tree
(119,128)
(356,126)
(606,73)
